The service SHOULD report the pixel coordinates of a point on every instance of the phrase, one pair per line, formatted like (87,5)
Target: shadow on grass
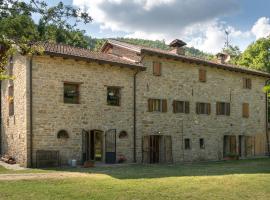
(137,171)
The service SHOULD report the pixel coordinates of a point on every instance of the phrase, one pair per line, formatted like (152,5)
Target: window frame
(185,107)
(247,83)
(118,95)
(206,109)
(78,98)
(226,106)
(187,144)
(152,102)
(11,108)
(202,143)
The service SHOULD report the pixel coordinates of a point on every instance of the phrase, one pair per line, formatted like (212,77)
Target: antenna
(227,38)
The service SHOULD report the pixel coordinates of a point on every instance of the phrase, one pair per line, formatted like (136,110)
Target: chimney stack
(223,58)
(178,47)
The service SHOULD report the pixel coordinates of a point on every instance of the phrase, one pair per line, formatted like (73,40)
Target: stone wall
(14,128)
(180,81)
(51,114)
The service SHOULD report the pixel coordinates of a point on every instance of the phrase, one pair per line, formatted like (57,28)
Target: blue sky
(201,23)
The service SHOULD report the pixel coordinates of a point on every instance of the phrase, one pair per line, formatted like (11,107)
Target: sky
(200,23)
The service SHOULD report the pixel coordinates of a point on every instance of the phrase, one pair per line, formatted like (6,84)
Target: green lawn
(246,179)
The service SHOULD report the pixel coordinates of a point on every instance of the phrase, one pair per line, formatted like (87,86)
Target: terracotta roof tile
(87,55)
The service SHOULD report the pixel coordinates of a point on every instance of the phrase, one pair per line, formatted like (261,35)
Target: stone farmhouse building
(130,103)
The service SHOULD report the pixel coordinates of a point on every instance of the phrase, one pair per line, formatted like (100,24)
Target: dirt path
(30,176)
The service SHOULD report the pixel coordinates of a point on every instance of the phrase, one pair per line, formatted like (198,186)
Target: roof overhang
(206,63)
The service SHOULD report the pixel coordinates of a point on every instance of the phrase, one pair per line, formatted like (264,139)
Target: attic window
(62,134)
(123,134)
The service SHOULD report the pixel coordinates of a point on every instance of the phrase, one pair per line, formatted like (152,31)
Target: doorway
(157,149)
(93,145)
(229,145)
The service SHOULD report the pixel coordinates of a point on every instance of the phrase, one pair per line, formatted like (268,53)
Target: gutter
(266,120)
(31,110)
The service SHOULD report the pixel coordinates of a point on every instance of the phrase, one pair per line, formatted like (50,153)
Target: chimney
(223,58)
(178,47)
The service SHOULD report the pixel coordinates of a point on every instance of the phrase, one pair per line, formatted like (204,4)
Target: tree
(257,55)
(18,31)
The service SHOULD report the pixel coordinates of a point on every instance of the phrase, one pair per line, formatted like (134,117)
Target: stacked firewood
(8,159)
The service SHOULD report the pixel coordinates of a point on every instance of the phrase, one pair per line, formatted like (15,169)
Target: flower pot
(88,164)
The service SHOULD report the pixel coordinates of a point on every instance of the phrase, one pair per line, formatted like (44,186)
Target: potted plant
(231,156)
(89,163)
(121,159)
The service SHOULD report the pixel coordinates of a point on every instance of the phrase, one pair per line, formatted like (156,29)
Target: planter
(88,164)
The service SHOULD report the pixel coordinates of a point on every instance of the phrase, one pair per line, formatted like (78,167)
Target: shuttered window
(245,110)
(203,108)
(202,75)
(223,108)
(180,106)
(156,68)
(157,105)
(246,83)
(11,100)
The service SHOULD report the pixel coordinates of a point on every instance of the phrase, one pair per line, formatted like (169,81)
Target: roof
(163,53)
(67,51)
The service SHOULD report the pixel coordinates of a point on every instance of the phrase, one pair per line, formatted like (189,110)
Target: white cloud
(261,28)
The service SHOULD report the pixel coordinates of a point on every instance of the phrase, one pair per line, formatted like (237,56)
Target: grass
(245,179)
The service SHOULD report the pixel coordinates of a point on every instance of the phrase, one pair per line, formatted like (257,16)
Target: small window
(223,108)
(71,93)
(62,134)
(113,96)
(187,143)
(11,100)
(202,143)
(202,75)
(156,68)
(157,105)
(203,108)
(123,134)
(180,106)
(246,83)
(245,110)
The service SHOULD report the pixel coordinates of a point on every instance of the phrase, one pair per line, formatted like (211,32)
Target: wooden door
(146,152)
(154,149)
(168,149)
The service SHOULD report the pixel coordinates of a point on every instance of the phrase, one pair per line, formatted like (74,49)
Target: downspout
(134,115)
(266,114)
(31,110)
(0,117)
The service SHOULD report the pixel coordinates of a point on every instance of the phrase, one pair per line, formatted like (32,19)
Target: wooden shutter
(228,108)
(197,108)
(249,83)
(202,75)
(146,152)
(186,107)
(245,110)
(168,149)
(174,106)
(233,144)
(218,108)
(150,105)
(164,105)
(156,68)
(208,108)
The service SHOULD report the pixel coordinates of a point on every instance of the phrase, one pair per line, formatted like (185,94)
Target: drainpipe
(266,112)
(31,110)
(134,115)
(0,117)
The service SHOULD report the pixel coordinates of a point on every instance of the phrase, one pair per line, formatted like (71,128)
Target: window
(158,105)
(187,143)
(113,96)
(202,75)
(180,106)
(71,93)
(203,108)
(11,100)
(156,68)
(246,83)
(223,108)
(202,143)
(245,111)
